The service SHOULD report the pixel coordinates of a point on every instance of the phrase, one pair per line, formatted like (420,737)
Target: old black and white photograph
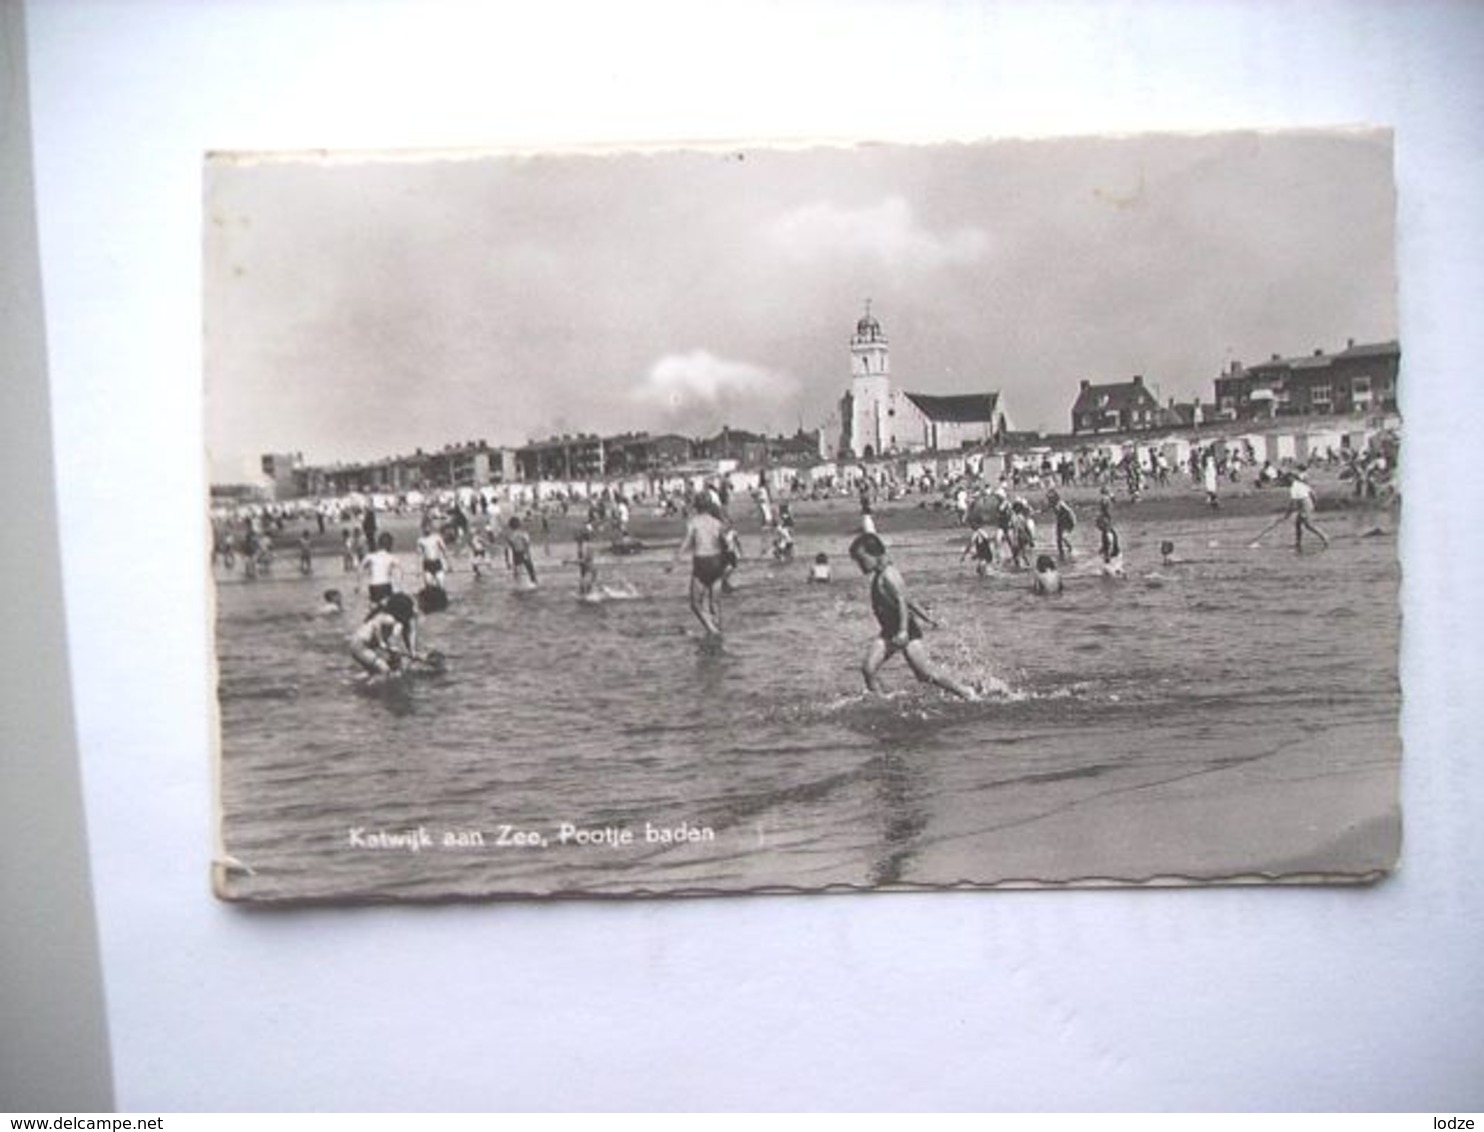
(810,518)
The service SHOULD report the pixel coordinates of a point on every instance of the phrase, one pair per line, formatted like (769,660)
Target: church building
(877,420)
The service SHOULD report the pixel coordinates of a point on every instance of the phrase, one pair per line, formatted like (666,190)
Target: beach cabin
(1321,442)
(1282,447)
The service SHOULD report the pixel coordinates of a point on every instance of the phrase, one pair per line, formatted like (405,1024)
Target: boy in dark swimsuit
(900,619)
(705,542)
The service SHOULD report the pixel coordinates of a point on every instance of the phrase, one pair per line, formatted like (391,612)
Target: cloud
(886,231)
(680,385)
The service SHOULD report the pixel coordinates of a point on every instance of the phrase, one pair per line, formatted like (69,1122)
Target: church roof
(963,408)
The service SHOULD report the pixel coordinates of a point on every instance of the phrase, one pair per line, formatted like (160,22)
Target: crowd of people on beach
(1000,518)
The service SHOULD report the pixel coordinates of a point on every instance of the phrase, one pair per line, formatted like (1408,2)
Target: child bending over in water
(386,637)
(820,571)
(900,619)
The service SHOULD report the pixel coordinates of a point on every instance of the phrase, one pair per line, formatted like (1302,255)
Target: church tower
(870,389)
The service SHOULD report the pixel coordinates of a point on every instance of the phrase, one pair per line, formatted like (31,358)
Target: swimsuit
(708,568)
(888,613)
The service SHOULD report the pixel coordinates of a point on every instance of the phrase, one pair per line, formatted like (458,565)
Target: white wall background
(1236,999)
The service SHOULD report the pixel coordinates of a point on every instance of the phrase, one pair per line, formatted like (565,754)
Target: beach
(1230,716)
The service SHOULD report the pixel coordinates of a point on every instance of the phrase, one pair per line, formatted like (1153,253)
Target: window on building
(1321,396)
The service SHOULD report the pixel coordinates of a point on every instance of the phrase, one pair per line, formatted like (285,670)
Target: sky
(366,306)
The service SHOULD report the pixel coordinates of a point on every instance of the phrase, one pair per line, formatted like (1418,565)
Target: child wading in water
(1048,579)
(1301,508)
(382,569)
(1066,522)
(587,563)
(1301,503)
(900,619)
(706,543)
(518,543)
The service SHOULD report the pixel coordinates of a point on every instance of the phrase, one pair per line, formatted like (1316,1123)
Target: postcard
(804,518)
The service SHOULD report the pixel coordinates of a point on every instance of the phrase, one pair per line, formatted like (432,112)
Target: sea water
(1230,716)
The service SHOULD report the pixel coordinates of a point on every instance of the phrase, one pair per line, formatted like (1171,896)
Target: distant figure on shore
(900,620)
(705,543)
(1048,580)
(820,571)
(306,553)
(1208,478)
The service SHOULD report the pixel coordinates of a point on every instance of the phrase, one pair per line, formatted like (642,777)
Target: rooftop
(962,408)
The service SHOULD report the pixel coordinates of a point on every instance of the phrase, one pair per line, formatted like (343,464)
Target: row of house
(558,458)
(875,419)
(1361,379)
